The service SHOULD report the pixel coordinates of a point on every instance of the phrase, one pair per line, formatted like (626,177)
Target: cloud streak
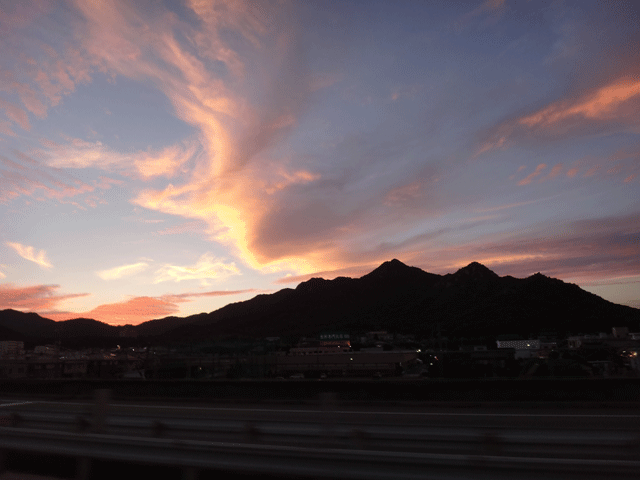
(206,268)
(24,176)
(605,109)
(122,271)
(33,298)
(536,173)
(139,309)
(29,253)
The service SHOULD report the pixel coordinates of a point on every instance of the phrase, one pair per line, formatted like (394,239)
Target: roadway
(490,441)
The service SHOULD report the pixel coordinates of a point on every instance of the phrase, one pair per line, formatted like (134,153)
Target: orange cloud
(38,297)
(140,309)
(604,104)
(612,106)
(527,180)
(28,253)
(133,311)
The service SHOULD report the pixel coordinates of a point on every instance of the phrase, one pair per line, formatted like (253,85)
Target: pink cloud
(187,297)
(604,103)
(5,129)
(611,106)
(33,298)
(132,311)
(555,171)
(527,180)
(572,172)
(79,153)
(15,114)
(592,171)
(29,178)
(43,78)
(136,310)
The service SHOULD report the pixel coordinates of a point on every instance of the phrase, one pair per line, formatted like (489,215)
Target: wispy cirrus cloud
(39,75)
(122,271)
(29,253)
(24,176)
(16,114)
(78,153)
(206,268)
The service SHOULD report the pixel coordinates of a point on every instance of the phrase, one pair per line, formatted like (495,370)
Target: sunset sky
(170,157)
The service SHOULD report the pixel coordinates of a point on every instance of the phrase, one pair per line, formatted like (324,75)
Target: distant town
(332,355)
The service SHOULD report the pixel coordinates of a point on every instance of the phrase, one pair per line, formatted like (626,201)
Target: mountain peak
(476,270)
(389,269)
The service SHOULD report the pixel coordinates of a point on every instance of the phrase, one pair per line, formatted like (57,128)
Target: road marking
(14,404)
(350,412)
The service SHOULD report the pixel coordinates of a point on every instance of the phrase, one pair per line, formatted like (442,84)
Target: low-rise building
(523,348)
(13,368)
(14,348)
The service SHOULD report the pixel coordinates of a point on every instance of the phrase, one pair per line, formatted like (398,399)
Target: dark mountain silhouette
(27,325)
(8,334)
(85,327)
(472,302)
(32,327)
(160,326)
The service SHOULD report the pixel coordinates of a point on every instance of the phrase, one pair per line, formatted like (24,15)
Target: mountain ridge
(472,301)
